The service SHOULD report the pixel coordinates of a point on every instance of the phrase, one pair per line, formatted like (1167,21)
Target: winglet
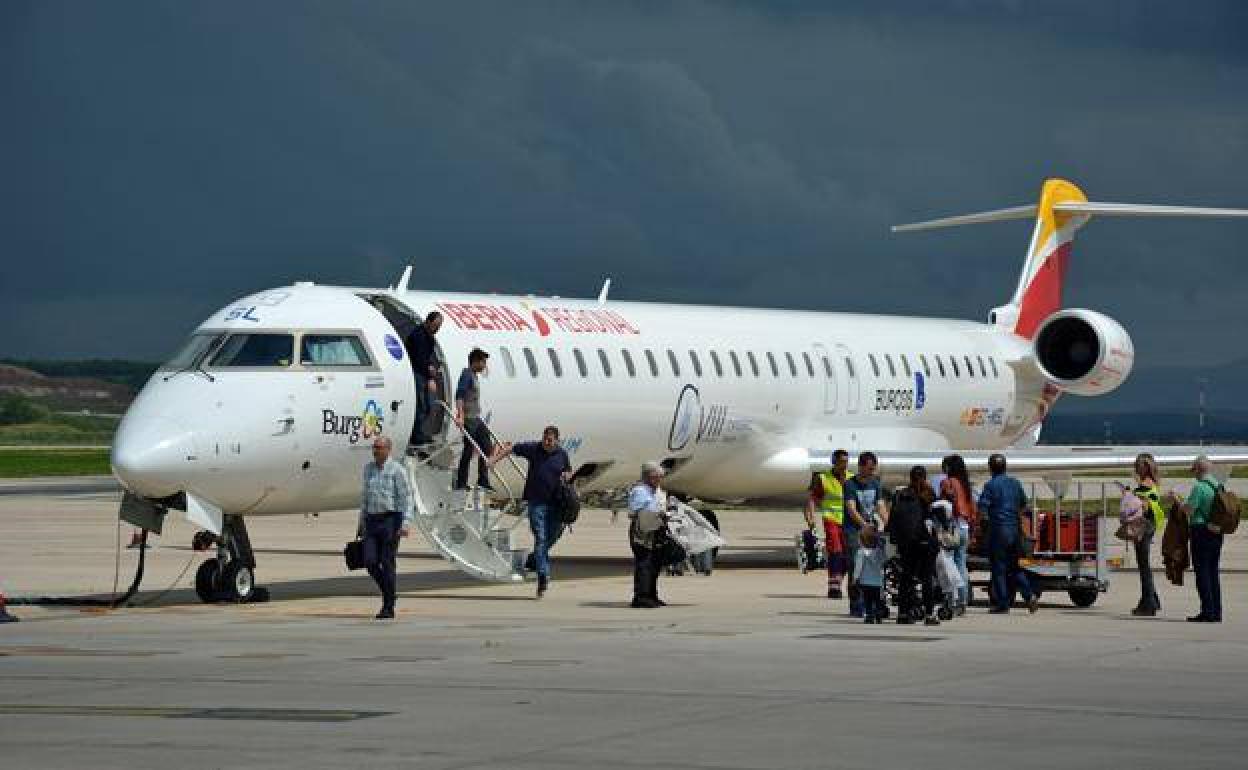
(602,295)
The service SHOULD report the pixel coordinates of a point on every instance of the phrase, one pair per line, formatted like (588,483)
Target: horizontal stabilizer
(1072,207)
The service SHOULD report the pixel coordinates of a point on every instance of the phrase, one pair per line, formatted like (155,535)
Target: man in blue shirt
(385,516)
(1003,502)
(865,506)
(548,468)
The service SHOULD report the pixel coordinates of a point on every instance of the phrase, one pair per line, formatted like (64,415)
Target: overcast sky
(159,159)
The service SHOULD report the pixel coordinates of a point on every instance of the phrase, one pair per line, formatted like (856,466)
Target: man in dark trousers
(549,466)
(422,350)
(468,415)
(1003,502)
(647,505)
(385,516)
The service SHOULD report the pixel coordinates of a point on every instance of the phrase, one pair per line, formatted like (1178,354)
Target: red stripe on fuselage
(1043,296)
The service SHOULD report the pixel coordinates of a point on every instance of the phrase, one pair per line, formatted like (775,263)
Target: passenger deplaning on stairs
(426,370)
(468,416)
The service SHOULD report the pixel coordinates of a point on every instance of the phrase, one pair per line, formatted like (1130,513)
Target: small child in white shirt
(869,574)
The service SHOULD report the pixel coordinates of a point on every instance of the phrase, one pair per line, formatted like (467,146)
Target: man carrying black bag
(549,470)
(385,516)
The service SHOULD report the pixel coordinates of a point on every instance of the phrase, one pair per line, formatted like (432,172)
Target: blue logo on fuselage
(395,347)
(920,394)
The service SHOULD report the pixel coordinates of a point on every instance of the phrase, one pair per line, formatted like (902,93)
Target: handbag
(360,554)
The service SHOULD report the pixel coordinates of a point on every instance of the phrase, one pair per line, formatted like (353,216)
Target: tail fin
(1062,210)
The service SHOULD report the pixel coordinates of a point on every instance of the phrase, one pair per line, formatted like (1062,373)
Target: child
(869,574)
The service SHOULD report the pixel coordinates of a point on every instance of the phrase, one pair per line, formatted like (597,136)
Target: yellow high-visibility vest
(833,503)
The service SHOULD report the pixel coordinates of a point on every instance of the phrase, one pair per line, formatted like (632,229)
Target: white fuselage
(752,393)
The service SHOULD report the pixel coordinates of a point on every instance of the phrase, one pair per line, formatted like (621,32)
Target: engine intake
(1083,352)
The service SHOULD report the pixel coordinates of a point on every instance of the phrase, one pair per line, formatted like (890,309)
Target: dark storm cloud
(161,159)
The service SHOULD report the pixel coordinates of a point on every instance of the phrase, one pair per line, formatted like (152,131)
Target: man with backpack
(1213,512)
(549,470)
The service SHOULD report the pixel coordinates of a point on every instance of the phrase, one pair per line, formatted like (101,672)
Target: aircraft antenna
(602,295)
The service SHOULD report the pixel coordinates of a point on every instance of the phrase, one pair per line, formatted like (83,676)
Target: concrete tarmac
(747,668)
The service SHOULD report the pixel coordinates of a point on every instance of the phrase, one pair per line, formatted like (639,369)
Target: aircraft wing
(1056,460)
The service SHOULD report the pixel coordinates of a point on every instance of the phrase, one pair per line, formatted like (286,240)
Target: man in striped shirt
(385,516)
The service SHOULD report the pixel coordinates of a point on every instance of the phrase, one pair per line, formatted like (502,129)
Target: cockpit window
(267,350)
(333,350)
(192,351)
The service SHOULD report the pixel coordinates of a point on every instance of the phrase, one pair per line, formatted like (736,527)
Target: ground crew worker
(468,415)
(827,496)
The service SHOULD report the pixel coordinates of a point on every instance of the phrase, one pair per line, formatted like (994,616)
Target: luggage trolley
(1068,547)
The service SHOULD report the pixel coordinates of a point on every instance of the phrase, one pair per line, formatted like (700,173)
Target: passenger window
(995,373)
(810,367)
(628,363)
(792,365)
(267,350)
(736,362)
(508,363)
(905,365)
(671,359)
(849,367)
(888,359)
(697,365)
(580,362)
(954,363)
(749,354)
(940,364)
(654,365)
(531,360)
(771,360)
(554,362)
(606,363)
(875,367)
(332,350)
(982,371)
(719,369)
(827,367)
(970,369)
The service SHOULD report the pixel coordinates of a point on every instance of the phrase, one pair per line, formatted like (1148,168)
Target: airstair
(464,525)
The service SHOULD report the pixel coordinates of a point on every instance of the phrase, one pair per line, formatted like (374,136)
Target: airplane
(271,405)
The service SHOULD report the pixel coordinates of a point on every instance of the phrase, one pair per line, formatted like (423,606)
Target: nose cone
(151,456)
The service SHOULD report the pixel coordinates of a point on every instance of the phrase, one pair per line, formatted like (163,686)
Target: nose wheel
(230,577)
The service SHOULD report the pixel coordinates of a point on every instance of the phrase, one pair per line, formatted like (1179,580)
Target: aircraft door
(852,383)
(824,365)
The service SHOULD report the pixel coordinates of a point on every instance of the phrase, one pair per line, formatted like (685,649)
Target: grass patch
(25,463)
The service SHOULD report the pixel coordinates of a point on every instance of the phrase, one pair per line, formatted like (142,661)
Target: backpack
(907,517)
(1225,512)
(567,502)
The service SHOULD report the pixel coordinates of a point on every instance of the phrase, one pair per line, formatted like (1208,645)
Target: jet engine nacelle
(1083,352)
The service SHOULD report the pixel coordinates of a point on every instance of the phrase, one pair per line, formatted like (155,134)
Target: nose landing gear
(231,575)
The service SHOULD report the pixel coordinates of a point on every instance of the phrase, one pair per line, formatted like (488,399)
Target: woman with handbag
(1148,489)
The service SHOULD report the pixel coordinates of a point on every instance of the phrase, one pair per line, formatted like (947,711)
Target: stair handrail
(511,458)
(511,495)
